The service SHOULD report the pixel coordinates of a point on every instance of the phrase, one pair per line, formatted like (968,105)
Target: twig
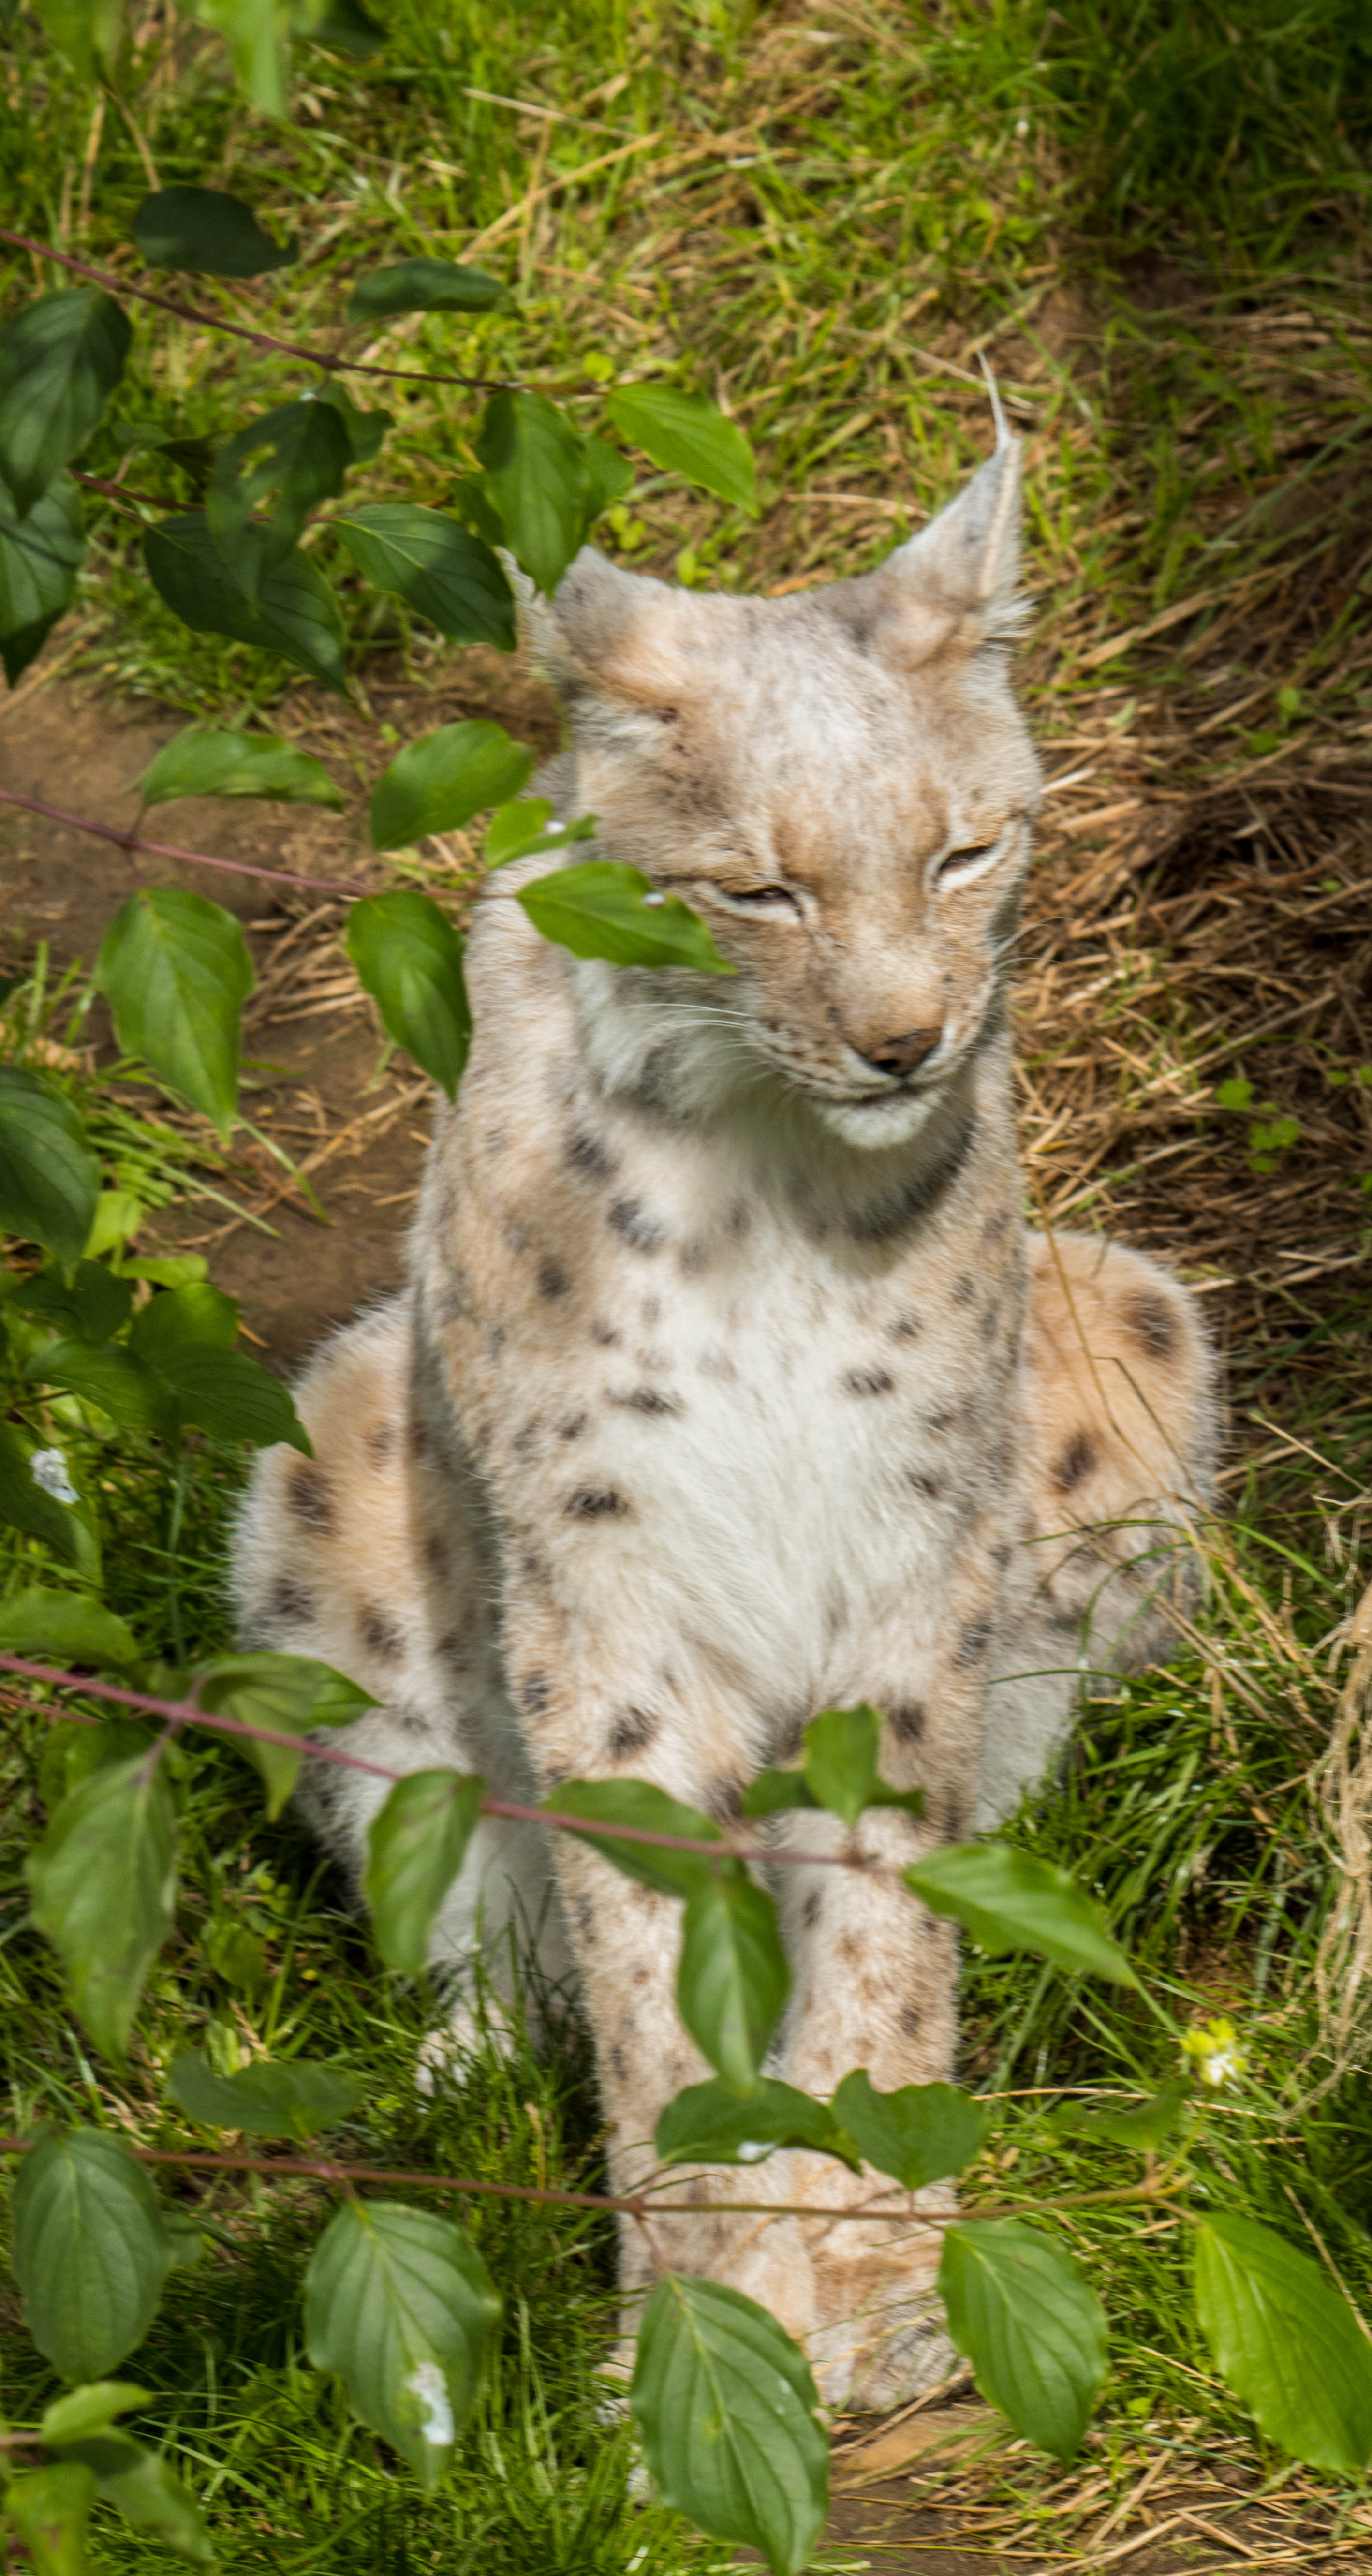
(132,840)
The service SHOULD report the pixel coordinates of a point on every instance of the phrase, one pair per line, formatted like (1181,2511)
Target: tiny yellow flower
(1214,2048)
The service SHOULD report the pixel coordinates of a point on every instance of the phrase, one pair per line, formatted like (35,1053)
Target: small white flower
(427,2383)
(48,1468)
(1021,128)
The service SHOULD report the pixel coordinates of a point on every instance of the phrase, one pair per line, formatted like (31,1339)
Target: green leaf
(90,2250)
(423,286)
(730,2420)
(841,1759)
(536,477)
(605,908)
(201,763)
(733,1979)
(608,475)
(518,830)
(232,1397)
(709,2124)
(291,1694)
(40,557)
(919,2134)
(1008,1900)
(60,360)
(180,1319)
(64,1628)
(443,571)
(769,1793)
(299,450)
(439,782)
(296,615)
(148,2495)
(255,32)
(48,2509)
(103,1885)
(1285,2341)
(175,970)
(646,1809)
(207,234)
(344,26)
(93,1304)
(400,2305)
(26,1505)
(366,429)
(470,496)
(417,1844)
(1143,2129)
(109,1376)
(88,32)
(49,1178)
(1032,2330)
(89,2410)
(686,435)
(286,2099)
(409,957)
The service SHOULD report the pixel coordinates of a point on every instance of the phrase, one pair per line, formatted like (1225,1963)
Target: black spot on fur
(619,2064)
(910,2020)
(922,1482)
(571,1426)
(941,1421)
(1077,1460)
(585,1917)
(867,1381)
(996,1226)
(1152,1325)
(894,1211)
(533,1694)
(379,1634)
(811,1909)
(906,1721)
(722,1798)
(1001,1554)
(631,1731)
(972,1644)
(964,1290)
(694,1256)
(381,1440)
(954,1819)
(739,1218)
(437,1556)
(635,1227)
(591,1155)
(607,1337)
(289,1600)
(646,1399)
(596,1503)
(309,1497)
(525,1438)
(989,1325)
(661,1065)
(453,1648)
(903,1328)
(554,1278)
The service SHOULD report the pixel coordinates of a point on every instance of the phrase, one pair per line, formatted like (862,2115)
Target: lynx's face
(842,785)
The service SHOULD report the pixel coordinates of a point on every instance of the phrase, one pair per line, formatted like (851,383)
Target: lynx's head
(840,783)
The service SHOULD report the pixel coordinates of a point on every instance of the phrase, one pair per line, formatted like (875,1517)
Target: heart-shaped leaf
(300,451)
(1008,1900)
(439,782)
(103,1886)
(400,2305)
(605,908)
(919,2134)
(730,2420)
(409,957)
(733,1979)
(60,360)
(417,1843)
(64,1628)
(49,1178)
(296,614)
(423,286)
(93,1304)
(519,830)
(686,435)
(90,2250)
(841,1749)
(535,476)
(1031,2328)
(443,571)
(710,2124)
(40,557)
(284,2098)
(206,233)
(1285,2341)
(645,1809)
(205,763)
(176,972)
(290,1695)
(89,2410)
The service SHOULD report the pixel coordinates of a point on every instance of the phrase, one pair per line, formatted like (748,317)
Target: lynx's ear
(603,631)
(952,587)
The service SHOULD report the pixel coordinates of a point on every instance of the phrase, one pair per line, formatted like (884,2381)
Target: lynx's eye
(960,865)
(763,898)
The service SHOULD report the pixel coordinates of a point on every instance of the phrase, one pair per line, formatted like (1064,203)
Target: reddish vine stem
(333,366)
(186,1713)
(132,841)
(634,2205)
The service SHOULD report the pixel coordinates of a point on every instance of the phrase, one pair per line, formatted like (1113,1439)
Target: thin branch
(186,1713)
(132,840)
(331,365)
(344,2176)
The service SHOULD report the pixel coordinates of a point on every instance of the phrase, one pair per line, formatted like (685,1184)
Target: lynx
(730,1383)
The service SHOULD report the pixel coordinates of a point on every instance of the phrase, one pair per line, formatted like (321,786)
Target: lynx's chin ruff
(730,1385)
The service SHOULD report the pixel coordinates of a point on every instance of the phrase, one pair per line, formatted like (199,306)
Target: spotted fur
(730,1386)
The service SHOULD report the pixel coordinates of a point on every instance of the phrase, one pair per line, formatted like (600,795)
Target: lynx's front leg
(875,1979)
(586,1721)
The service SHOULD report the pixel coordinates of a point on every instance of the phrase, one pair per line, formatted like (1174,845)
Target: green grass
(1119,209)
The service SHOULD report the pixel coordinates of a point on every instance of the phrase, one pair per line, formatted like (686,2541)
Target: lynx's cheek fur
(730,1386)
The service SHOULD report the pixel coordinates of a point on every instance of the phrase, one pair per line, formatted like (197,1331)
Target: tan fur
(730,1385)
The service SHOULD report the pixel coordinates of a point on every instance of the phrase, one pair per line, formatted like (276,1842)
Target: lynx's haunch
(730,1384)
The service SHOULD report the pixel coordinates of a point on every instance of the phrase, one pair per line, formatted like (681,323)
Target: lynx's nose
(901,1055)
